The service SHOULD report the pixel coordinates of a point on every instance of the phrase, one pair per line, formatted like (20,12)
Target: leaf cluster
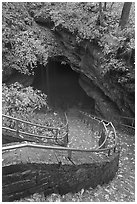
(20,101)
(25,103)
(24,43)
(81,20)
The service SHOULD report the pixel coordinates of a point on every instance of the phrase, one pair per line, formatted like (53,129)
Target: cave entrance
(61,84)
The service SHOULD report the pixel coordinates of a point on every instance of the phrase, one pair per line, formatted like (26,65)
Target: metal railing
(96,124)
(16,127)
(103,127)
(127,122)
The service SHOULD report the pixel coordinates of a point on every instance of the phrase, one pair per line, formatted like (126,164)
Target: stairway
(80,135)
(121,188)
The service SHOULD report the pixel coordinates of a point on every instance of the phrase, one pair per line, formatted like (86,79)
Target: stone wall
(21,180)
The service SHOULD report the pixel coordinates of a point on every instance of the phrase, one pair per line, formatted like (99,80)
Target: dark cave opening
(61,84)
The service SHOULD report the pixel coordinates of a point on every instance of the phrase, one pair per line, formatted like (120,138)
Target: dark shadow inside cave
(61,84)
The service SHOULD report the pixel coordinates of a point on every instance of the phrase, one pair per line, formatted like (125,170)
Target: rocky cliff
(67,35)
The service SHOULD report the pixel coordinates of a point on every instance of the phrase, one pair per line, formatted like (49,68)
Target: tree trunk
(111,6)
(105,6)
(125,14)
(100,17)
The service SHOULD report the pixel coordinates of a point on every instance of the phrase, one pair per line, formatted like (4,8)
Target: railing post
(132,122)
(101,139)
(92,125)
(56,135)
(65,140)
(67,134)
(69,154)
(109,152)
(100,127)
(17,128)
(87,122)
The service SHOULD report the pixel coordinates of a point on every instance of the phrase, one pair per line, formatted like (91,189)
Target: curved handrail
(128,118)
(26,133)
(58,134)
(104,125)
(105,137)
(53,148)
(97,150)
(29,123)
(37,125)
(124,117)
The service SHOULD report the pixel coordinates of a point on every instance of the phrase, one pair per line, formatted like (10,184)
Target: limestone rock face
(84,56)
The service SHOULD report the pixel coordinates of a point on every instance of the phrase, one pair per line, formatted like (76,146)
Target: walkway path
(80,136)
(122,188)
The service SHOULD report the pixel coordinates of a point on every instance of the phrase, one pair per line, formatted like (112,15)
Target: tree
(105,6)
(101,17)
(111,5)
(125,14)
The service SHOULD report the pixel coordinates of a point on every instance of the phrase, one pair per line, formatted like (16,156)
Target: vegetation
(25,44)
(17,100)
(26,104)
(20,102)
(21,43)
(125,14)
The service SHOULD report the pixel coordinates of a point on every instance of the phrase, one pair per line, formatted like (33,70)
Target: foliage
(14,18)
(21,102)
(22,41)
(33,33)
(25,43)
(81,20)
(115,40)
(30,105)
(24,103)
